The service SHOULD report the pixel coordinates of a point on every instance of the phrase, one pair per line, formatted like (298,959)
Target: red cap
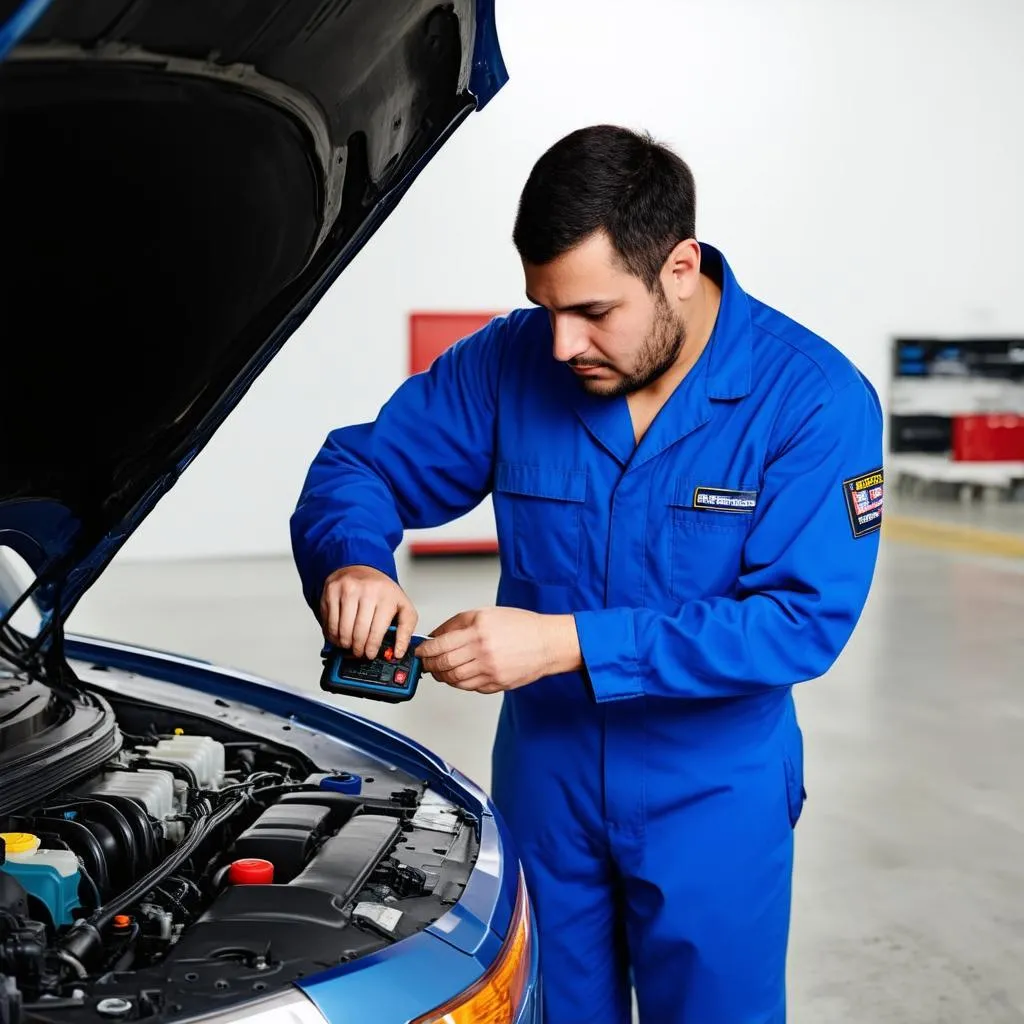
(251,871)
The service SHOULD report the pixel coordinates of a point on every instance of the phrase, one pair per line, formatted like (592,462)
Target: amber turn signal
(498,996)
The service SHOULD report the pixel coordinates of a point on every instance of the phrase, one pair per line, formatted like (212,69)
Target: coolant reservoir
(203,755)
(50,875)
(151,787)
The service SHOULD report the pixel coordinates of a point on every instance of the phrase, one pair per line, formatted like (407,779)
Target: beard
(658,353)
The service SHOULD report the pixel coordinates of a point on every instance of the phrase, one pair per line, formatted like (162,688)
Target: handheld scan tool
(384,677)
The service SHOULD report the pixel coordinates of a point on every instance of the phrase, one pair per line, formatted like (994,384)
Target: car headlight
(498,996)
(290,1007)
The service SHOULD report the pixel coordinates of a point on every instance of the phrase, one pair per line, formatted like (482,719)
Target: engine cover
(285,835)
(308,915)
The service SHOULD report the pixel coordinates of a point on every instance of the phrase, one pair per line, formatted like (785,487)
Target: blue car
(180,182)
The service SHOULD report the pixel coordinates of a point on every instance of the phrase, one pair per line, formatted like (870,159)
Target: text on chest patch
(719,499)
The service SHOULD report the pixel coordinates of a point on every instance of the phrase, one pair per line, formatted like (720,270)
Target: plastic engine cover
(306,918)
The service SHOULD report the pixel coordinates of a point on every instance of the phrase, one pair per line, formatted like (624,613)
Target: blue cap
(342,783)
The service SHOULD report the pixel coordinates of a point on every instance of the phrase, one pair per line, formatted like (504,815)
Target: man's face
(608,327)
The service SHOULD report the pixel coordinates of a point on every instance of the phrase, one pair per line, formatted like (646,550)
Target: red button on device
(389,654)
(400,676)
(251,871)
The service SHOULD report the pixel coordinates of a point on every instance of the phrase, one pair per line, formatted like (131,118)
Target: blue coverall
(710,568)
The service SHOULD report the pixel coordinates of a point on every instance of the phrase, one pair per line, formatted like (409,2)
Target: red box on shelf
(990,437)
(430,333)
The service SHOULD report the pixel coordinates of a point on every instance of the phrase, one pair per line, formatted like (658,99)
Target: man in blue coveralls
(688,493)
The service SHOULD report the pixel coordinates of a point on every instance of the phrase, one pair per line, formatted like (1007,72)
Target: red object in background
(988,438)
(429,335)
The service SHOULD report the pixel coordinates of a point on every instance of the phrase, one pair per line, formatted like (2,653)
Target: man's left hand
(495,649)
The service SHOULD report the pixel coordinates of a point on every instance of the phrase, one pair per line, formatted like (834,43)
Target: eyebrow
(594,306)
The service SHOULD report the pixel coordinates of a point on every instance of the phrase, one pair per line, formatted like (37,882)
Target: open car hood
(180,182)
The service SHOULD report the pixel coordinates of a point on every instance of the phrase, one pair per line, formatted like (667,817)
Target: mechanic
(687,486)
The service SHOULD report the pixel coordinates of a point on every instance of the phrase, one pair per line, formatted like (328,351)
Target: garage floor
(910,876)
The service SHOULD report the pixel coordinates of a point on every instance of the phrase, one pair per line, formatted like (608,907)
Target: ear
(680,274)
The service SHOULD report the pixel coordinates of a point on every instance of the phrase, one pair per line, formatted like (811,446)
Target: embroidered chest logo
(718,499)
(864,500)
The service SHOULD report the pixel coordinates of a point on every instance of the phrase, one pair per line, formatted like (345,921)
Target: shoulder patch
(864,498)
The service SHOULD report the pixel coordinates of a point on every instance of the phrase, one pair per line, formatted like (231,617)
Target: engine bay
(201,866)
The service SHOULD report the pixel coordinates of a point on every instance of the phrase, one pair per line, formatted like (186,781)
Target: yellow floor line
(952,537)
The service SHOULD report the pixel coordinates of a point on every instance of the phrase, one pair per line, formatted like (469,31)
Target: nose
(570,337)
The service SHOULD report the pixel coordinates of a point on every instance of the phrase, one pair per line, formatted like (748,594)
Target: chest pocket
(541,506)
(708,526)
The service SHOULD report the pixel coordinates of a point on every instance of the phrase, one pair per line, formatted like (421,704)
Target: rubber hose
(102,917)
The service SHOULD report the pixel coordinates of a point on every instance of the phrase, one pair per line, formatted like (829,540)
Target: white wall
(859,161)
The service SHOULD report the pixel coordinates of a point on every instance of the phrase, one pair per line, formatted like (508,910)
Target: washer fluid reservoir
(51,876)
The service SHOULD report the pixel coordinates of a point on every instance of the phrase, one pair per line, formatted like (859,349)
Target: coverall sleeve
(425,460)
(806,573)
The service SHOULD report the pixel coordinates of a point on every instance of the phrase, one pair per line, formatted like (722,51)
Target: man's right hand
(357,606)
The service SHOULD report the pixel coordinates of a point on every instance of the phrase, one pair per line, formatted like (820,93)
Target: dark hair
(604,177)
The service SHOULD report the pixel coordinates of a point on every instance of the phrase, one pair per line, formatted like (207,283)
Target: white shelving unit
(939,476)
(935,380)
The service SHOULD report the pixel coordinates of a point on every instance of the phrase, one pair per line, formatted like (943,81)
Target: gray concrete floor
(909,901)
(999,516)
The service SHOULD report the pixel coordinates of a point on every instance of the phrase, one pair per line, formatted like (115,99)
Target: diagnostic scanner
(384,677)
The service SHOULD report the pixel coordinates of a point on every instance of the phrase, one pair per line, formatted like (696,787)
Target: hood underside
(179,184)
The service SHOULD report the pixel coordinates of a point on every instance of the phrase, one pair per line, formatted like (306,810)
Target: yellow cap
(179,732)
(20,842)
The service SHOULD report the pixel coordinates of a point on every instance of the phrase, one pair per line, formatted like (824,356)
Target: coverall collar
(722,373)
(730,349)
